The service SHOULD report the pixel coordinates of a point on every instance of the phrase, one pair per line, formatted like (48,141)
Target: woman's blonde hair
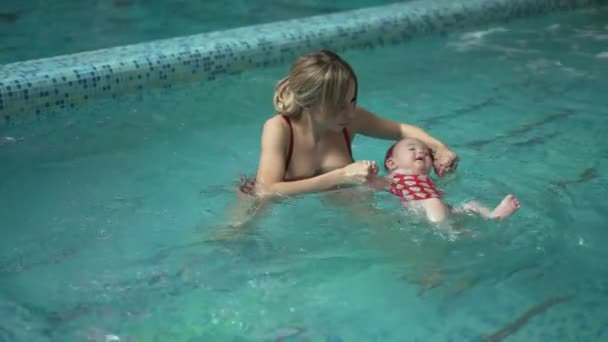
(316,79)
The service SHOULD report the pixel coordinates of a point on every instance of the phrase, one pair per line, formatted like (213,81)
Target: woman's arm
(369,124)
(372,125)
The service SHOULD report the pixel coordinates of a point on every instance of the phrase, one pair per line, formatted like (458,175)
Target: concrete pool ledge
(33,88)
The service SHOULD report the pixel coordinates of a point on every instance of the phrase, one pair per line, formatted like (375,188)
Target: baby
(409,162)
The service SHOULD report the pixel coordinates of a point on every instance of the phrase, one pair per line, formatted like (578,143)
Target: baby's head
(409,154)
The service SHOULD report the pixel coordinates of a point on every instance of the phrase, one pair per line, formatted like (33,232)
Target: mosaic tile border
(33,88)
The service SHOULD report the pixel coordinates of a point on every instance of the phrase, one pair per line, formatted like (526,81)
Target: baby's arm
(379,183)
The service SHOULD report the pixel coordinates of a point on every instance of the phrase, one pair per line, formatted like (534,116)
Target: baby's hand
(359,172)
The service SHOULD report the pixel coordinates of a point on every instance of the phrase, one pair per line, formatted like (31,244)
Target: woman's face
(340,117)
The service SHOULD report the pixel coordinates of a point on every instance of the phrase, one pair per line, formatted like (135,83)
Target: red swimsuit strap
(290,151)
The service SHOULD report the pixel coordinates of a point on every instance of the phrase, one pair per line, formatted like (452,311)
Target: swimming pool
(32,29)
(102,209)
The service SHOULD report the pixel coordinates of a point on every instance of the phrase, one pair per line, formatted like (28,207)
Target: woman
(306,147)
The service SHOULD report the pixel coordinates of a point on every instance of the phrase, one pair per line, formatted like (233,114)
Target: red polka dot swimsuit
(413,187)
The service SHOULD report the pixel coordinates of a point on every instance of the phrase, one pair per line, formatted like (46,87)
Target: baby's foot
(508,206)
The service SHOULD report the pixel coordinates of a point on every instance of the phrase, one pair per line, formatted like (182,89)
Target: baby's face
(413,155)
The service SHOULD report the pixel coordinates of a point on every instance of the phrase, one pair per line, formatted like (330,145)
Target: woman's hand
(359,172)
(444,161)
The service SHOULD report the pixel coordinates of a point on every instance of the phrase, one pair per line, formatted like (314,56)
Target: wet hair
(319,79)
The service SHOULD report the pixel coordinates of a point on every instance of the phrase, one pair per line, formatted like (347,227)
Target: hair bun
(284,99)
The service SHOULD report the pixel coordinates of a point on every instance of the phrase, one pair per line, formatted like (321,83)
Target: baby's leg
(507,206)
(473,207)
(436,211)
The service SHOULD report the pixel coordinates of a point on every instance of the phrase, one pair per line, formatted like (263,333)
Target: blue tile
(216,52)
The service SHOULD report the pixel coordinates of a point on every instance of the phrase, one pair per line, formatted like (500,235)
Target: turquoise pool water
(104,210)
(34,29)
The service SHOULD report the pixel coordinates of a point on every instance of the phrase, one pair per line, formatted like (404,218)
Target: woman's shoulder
(277,129)
(276,122)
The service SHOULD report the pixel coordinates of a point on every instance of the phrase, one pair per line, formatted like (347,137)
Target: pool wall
(32,89)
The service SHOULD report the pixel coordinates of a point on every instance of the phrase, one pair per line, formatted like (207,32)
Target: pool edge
(31,89)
